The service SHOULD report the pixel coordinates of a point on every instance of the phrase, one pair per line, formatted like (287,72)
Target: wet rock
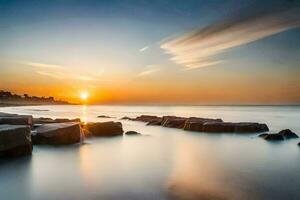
(147,118)
(127,118)
(16,120)
(274,137)
(154,122)
(103,116)
(43,120)
(229,127)
(173,121)
(15,140)
(57,133)
(299,144)
(288,134)
(104,129)
(196,123)
(132,133)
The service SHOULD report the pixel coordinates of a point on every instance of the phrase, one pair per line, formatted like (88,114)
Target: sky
(152,51)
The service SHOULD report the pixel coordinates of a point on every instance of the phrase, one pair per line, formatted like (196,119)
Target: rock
(173,121)
(15,140)
(132,133)
(105,129)
(43,120)
(17,120)
(57,133)
(103,116)
(273,137)
(288,134)
(147,118)
(299,144)
(154,123)
(127,118)
(196,123)
(229,127)
(250,127)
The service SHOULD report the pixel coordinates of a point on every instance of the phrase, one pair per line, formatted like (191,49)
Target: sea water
(165,163)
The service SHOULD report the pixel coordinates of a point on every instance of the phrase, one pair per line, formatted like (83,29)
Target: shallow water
(167,164)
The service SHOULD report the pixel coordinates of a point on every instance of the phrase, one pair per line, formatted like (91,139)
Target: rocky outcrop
(15,140)
(104,129)
(173,121)
(196,123)
(154,123)
(288,134)
(57,133)
(43,120)
(16,120)
(132,133)
(273,137)
(147,118)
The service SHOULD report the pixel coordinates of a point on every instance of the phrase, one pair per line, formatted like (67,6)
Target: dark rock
(274,137)
(57,133)
(15,140)
(43,120)
(154,123)
(299,144)
(196,123)
(173,121)
(17,120)
(147,118)
(103,116)
(288,134)
(105,129)
(218,127)
(250,127)
(132,133)
(127,118)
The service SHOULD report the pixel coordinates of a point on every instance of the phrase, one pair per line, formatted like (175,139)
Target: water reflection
(84,114)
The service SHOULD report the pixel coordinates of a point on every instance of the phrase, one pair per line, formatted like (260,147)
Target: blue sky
(99,45)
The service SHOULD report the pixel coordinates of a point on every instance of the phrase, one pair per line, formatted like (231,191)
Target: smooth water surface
(165,164)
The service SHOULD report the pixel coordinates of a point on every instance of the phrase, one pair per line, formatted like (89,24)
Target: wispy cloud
(42,65)
(199,48)
(144,48)
(150,69)
(62,75)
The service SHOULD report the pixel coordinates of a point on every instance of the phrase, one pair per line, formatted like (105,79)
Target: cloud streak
(42,65)
(143,49)
(199,48)
(148,72)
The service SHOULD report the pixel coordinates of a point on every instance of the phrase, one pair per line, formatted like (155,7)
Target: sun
(84,95)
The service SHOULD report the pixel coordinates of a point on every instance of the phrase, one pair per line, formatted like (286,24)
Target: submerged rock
(16,120)
(132,133)
(15,140)
(263,135)
(288,134)
(127,118)
(57,133)
(274,137)
(103,116)
(43,120)
(104,129)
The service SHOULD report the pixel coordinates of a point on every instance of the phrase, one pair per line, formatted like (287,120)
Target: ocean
(166,163)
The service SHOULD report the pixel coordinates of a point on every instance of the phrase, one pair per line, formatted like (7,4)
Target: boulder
(132,133)
(229,127)
(43,120)
(274,137)
(15,140)
(263,135)
(57,133)
(127,118)
(154,123)
(104,129)
(288,134)
(16,120)
(196,123)
(173,121)
(147,118)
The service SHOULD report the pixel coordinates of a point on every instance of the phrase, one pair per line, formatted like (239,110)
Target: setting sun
(84,95)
